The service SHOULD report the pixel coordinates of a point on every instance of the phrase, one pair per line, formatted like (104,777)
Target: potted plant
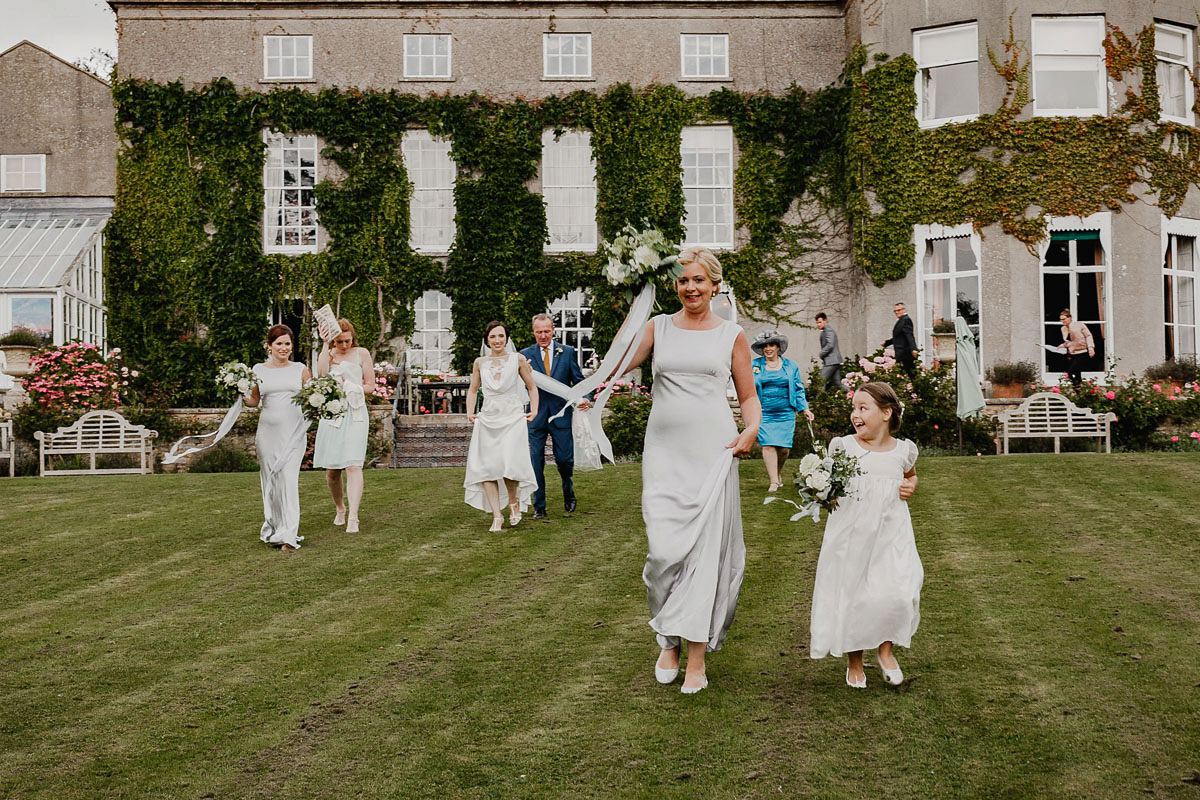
(944,338)
(1177,371)
(1009,378)
(18,346)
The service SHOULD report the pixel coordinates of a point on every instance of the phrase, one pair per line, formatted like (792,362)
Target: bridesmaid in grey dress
(281,439)
(690,499)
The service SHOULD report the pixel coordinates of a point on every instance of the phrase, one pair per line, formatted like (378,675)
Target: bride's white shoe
(665,675)
(497,525)
(514,513)
(895,677)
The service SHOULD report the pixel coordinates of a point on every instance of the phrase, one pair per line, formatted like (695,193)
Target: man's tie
(546,359)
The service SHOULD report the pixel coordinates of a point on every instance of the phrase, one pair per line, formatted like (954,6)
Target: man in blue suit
(558,361)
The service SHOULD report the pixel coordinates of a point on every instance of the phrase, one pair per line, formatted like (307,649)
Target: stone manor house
(1128,274)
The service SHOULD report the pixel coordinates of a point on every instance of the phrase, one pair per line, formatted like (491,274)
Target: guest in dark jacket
(903,342)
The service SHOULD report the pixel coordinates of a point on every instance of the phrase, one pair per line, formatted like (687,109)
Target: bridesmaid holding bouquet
(281,438)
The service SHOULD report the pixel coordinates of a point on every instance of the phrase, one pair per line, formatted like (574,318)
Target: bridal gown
(500,440)
(342,442)
(281,440)
(690,499)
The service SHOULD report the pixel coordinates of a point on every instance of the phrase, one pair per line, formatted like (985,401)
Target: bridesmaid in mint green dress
(342,443)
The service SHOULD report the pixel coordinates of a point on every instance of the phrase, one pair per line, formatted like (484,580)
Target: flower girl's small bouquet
(322,398)
(234,377)
(637,257)
(823,479)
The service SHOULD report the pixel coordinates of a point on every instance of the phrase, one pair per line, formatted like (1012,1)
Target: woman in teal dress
(342,443)
(781,391)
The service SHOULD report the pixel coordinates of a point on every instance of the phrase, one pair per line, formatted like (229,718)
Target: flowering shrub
(930,405)
(74,376)
(626,424)
(1141,405)
(386,376)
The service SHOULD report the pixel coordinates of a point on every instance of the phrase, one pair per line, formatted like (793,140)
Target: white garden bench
(1048,414)
(98,433)
(8,446)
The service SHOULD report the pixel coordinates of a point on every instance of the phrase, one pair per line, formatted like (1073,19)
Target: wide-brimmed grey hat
(769,337)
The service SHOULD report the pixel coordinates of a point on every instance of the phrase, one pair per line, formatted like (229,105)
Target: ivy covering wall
(189,286)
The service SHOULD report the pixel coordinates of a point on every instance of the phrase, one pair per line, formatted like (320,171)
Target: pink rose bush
(75,376)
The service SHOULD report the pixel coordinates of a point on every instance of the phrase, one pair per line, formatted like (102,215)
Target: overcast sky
(70,29)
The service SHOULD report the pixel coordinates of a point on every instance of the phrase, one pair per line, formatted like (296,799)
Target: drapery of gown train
(868,584)
(500,440)
(343,443)
(280,441)
(690,499)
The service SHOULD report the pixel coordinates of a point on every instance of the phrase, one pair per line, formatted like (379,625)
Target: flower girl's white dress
(869,576)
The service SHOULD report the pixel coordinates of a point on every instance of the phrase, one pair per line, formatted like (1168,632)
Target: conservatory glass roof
(36,252)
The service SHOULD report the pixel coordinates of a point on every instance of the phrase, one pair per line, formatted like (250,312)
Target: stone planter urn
(943,347)
(16,357)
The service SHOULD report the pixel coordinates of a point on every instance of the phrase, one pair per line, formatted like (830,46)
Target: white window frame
(922,235)
(417,40)
(1174,227)
(579,301)
(585,38)
(429,196)
(274,181)
(562,193)
(298,61)
(1101,221)
(923,64)
(24,158)
(1048,48)
(443,307)
(717,141)
(1165,61)
(712,38)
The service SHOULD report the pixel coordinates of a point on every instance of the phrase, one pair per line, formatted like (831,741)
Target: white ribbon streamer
(616,362)
(811,510)
(225,427)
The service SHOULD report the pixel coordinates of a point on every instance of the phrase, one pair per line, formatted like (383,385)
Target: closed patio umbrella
(970,393)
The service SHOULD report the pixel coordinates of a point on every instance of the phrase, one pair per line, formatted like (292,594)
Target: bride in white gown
(499,448)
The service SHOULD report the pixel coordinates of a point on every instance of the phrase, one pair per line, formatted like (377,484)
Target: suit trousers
(831,374)
(563,444)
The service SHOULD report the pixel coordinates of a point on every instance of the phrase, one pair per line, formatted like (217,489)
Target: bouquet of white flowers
(322,398)
(234,377)
(637,257)
(823,479)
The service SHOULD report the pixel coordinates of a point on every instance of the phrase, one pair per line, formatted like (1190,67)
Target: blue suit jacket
(563,369)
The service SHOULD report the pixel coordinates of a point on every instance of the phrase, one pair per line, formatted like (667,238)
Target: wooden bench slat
(98,433)
(1050,415)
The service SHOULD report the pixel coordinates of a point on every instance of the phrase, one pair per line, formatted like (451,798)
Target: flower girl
(868,585)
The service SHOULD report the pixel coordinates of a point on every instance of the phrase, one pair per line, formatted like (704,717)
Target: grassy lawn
(150,646)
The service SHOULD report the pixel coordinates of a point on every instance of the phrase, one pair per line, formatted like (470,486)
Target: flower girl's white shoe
(340,517)
(861,683)
(895,677)
(664,675)
(352,525)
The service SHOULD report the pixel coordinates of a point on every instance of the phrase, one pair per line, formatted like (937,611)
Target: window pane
(964,256)
(1172,89)
(1067,83)
(951,91)
(1078,36)
(967,299)
(1187,301)
(35,313)
(1171,43)
(959,43)
(937,256)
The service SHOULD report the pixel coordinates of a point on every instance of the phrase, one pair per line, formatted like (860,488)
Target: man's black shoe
(570,506)
(539,513)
